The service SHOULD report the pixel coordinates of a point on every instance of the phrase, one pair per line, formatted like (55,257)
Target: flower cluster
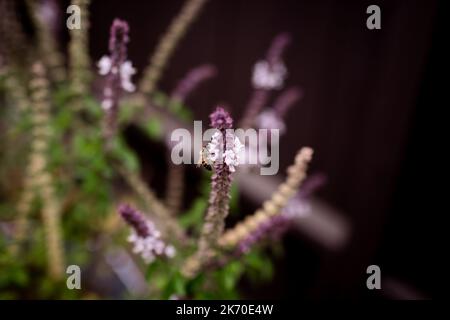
(233,150)
(268,76)
(115,66)
(125,70)
(221,119)
(145,236)
(219,196)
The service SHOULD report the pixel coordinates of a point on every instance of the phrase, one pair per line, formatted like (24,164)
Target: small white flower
(151,246)
(107,92)
(238,147)
(268,77)
(139,245)
(230,160)
(170,251)
(104,65)
(107,104)
(233,153)
(148,257)
(132,237)
(126,72)
(215,147)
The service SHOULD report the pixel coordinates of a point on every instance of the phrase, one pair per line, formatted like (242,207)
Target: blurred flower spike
(146,239)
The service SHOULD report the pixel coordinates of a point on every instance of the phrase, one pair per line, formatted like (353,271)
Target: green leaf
(258,265)
(184,114)
(195,214)
(154,128)
(160,99)
(234,201)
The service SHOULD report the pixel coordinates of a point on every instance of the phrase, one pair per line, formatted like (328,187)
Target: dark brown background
(366,93)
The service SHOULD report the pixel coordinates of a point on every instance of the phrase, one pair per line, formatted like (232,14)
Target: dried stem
(38,179)
(175,188)
(272,207)
(79,62)
(15,89)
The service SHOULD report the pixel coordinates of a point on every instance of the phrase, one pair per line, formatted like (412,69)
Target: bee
(203,159)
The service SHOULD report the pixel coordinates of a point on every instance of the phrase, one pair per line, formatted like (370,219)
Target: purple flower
(268,74)
(219,196)
(220,119)
(145,237)
(118,72)
(135,219)
(118,40)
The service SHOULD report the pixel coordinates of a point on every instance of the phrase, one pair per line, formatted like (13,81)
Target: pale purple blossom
(268,76)
(219,196)
(232,156)
(215,147)
(118,72)
(145,237)
(126,71)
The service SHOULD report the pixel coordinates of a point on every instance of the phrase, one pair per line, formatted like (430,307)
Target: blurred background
(366,97)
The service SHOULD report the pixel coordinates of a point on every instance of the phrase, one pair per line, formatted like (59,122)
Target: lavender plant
(74,186)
